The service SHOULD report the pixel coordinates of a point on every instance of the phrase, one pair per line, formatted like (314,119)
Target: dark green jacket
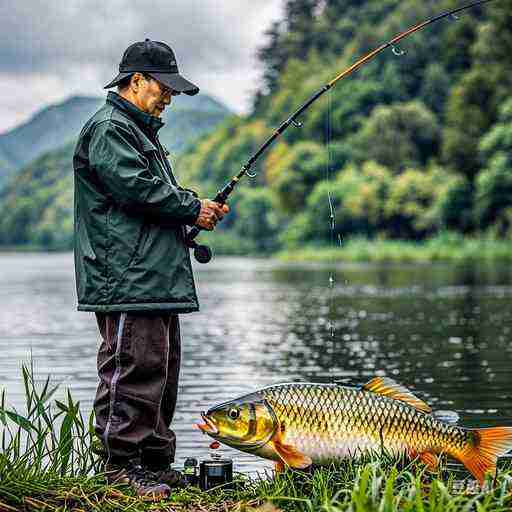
(130,216)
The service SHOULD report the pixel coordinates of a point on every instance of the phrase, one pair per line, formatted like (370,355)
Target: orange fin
(388,387)
(279,466)
(482,452)
(430,460)
(288,454)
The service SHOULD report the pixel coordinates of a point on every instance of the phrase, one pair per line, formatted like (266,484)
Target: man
(132,265)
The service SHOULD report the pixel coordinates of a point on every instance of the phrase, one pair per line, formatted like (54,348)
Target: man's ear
(136,81)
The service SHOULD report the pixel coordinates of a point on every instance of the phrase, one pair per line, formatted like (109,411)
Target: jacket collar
(143,119)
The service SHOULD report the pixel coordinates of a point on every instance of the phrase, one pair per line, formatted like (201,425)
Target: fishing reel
(211,473)
(202,253)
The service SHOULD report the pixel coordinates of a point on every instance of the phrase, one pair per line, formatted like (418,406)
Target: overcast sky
(51,49)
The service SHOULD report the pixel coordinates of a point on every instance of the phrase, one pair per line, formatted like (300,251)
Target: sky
(52,49)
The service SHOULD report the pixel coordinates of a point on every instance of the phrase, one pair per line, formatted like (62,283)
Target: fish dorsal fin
(388,387)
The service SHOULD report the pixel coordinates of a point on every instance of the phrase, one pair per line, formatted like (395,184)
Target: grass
(46,464)
(447,247)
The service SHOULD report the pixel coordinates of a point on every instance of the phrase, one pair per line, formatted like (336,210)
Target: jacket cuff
(195,208)
(193,192)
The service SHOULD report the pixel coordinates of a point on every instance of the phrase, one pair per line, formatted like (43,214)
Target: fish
(297,425)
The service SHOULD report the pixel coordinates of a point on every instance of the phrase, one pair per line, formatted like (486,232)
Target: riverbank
(447,247)
(367,487)
(46,464)
(444,248)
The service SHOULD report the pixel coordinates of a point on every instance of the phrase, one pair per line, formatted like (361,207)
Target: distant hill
(55,125)
(37,202)
(48,129)
(5,165)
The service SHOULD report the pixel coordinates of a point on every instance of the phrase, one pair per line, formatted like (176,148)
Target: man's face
(152,97)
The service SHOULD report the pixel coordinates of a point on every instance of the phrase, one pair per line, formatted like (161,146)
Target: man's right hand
(210,214)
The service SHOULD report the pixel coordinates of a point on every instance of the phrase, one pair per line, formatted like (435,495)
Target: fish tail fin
(483,448)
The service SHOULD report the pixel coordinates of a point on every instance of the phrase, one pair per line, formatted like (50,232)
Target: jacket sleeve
(124,171)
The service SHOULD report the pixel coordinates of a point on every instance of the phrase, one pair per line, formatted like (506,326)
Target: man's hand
(210,214)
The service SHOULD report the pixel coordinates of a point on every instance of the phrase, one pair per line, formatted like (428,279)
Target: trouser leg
(133,367)
(158,450)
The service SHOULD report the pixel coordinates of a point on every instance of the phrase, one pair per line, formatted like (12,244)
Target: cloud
(70,47)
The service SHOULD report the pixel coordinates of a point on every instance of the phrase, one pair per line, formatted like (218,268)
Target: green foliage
(493,201)
(470,114)
(493,190)
(412,207)
(445,246)
(435,104)
(413,145)
(257,219)
(398,136)
(40,194)
(296,173)
(475,101)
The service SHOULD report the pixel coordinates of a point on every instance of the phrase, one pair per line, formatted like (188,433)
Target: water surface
(439,329)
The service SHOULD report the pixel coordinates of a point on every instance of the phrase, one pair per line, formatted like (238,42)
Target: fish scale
(301,424)
(329,421)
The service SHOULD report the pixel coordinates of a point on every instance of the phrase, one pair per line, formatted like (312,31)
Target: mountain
(5,165)
(48,129)
(55,125)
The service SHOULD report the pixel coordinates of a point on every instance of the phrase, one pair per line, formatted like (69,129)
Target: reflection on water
(442,330)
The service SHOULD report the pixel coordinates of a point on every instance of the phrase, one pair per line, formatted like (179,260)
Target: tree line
(407,147)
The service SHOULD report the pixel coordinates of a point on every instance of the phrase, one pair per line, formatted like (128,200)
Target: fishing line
(332,236)
(203,253)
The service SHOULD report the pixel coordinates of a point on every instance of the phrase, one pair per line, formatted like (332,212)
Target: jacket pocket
(135,256)
(139,246)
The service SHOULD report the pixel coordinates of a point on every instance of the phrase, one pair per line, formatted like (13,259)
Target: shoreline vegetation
(446,247)
(449,248)
(46,464)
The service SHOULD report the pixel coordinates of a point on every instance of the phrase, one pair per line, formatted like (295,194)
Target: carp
(301,424)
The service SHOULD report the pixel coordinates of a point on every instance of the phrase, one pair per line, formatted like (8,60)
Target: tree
(398,136)
(412,207)
(475,101)
(493,195)
(296,173)
(257,218)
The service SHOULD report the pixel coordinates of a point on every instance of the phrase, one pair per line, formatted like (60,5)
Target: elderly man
(133,267)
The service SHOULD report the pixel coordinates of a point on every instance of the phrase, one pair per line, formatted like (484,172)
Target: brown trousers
(138,367)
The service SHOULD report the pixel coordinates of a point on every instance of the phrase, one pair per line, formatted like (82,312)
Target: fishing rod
(203,253)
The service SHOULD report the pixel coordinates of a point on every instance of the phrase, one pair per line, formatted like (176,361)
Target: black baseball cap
(157,60)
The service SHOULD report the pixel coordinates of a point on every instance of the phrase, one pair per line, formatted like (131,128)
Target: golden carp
(302,424)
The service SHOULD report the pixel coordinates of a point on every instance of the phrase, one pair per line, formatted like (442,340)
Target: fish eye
(234,414)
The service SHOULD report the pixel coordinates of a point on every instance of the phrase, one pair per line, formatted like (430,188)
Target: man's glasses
(164,90)
(167,90)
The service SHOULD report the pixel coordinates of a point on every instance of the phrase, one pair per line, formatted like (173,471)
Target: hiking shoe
(171,477)
(142,481)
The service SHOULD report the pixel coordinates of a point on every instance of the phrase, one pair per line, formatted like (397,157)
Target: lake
(439,329)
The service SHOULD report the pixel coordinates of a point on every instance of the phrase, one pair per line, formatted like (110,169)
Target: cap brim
(117,79)
(176,82)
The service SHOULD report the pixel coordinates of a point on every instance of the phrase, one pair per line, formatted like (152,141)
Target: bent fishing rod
(203,253)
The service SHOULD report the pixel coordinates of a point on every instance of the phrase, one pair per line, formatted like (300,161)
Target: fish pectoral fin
(430,460)
(279,466)
(388,387)
(291,456)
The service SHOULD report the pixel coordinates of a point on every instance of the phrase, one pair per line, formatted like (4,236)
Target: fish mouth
(208,427)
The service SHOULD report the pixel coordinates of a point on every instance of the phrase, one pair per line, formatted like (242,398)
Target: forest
(410,147)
